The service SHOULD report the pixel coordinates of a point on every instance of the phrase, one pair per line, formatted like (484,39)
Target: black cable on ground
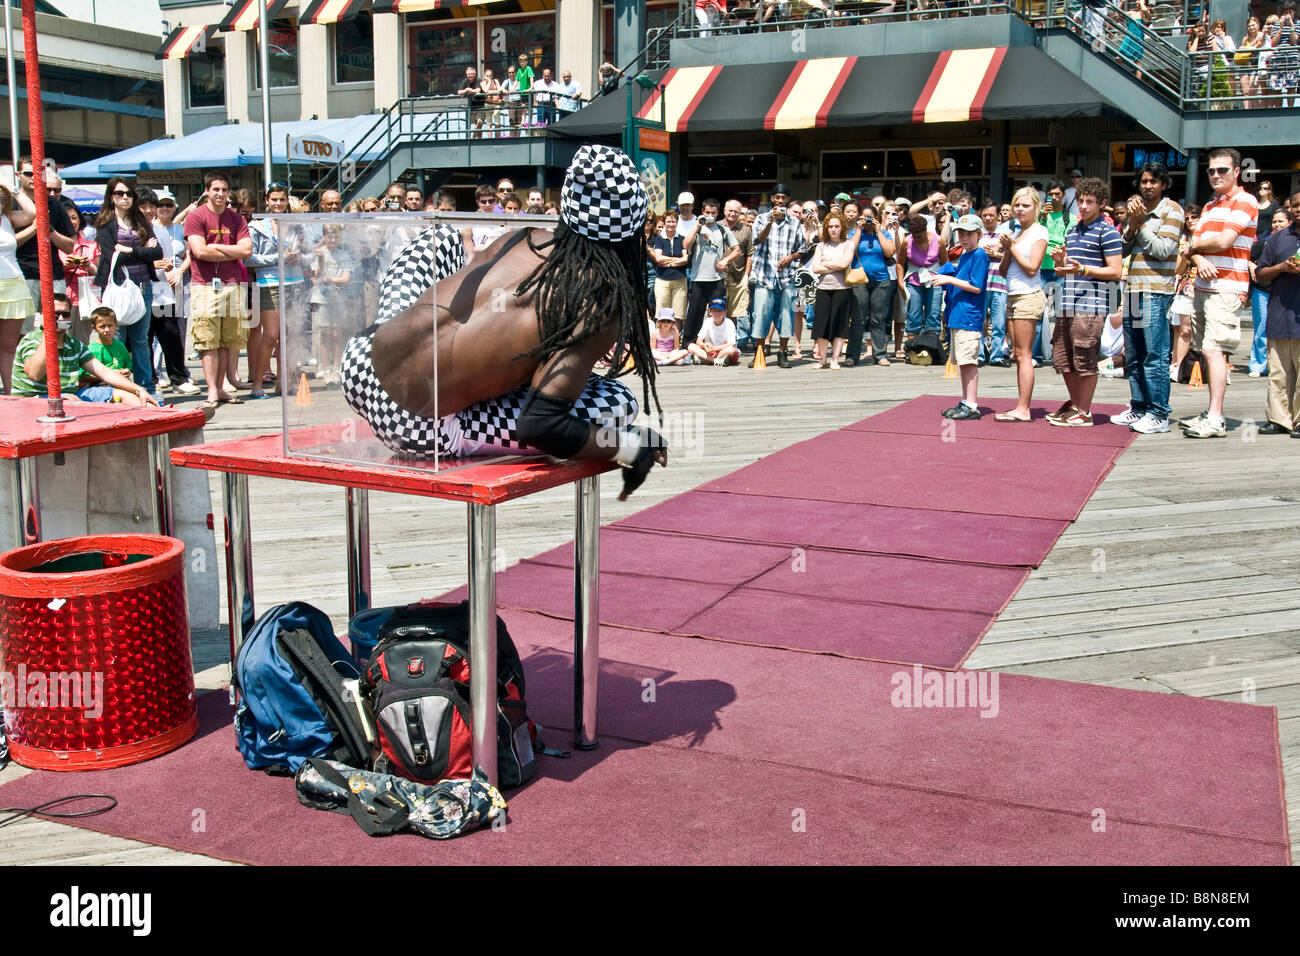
(41,811)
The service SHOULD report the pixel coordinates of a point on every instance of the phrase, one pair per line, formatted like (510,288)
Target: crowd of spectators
(1140,288)
(521,101)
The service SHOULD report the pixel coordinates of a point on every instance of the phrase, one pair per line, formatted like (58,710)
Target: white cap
(165,194)
(685,198)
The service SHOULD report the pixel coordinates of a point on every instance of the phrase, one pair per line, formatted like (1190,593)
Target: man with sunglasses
(63,234)
(1220,254)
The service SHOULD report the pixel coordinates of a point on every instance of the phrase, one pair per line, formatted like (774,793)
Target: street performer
(517,376)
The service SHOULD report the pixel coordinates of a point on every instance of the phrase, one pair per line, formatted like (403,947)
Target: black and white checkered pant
(485,427)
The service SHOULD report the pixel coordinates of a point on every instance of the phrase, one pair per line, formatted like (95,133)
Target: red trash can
(95,666)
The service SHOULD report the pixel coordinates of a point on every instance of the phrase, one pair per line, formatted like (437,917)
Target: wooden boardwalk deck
(1182,575)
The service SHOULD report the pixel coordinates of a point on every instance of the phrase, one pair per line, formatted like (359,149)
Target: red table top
(97,423)
(488,481)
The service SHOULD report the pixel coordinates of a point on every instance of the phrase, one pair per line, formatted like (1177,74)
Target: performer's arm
(546,421)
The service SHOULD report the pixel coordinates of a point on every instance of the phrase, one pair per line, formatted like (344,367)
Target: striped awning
(332,11)
(243,15)
(183,41)
(414,6)
(948,87)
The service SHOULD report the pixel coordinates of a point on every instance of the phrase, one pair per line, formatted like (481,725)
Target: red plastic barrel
(95,666)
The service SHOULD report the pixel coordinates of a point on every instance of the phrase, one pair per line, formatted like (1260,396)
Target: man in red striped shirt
(1220,252)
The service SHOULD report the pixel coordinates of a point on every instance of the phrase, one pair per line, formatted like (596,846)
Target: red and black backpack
(418,684)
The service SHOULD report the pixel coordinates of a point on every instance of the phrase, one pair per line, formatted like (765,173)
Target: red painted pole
(36,136)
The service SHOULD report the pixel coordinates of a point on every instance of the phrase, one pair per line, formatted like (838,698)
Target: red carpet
(916,540)
(713,751)
(740,744)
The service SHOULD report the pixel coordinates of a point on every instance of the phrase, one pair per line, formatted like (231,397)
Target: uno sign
(315,149)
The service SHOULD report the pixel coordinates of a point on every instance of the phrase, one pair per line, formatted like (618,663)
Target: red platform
(22,436)
(489,481)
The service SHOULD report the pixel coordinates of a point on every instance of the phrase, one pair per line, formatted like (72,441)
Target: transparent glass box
(336,297)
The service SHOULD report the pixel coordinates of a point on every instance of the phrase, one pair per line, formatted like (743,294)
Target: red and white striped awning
(332,11)
(243,15)
(183,41)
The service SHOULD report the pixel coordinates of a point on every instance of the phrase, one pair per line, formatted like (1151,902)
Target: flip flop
(1008,417)
(232,400)
(255,396)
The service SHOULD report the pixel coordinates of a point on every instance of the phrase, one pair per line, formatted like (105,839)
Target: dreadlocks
(581,279)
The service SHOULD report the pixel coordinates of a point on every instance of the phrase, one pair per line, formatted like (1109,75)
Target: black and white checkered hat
(603,198)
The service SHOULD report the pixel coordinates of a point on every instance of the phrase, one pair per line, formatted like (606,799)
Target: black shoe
(1002,363)
(634,475)
(848,362)
(1295,432)
(1273,428)
(867,360)
(961,413)
(782,359)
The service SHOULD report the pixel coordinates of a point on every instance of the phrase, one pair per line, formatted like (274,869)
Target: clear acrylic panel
(332,272)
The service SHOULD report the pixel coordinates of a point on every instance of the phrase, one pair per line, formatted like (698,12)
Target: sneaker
(962,412)
(1149,424)
(719,361)
(188,388)
(1062,412)
(1127,417)
(1205,428)
(1186,423)
(1073,419)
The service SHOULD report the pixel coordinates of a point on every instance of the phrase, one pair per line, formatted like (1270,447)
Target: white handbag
(124,298)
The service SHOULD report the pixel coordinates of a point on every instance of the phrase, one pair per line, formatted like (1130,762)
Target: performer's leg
(434,254)
(492,425)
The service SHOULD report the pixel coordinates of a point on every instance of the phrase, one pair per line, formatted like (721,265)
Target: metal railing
(456,118)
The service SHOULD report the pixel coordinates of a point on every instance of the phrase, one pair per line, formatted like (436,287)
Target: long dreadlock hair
(582,278)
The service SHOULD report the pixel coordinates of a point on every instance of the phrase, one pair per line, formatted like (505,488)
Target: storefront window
(207,78)
(439,55)
(282,42)
(354,50)
(533,36)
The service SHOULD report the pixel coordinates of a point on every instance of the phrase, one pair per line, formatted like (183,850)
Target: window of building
(207,78)
(504,40)
(439,55)
(354,50)
(282,50)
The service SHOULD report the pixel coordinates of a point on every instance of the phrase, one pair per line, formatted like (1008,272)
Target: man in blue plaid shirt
(777,238)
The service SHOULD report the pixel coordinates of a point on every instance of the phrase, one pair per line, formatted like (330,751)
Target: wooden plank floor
(1182,575)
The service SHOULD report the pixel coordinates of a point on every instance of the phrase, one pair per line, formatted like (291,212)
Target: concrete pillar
(999,163)
(1234,13)
(174,96)
(239,77)
(629,30)
(388,59)
(1193,176)
(314,70)
(577,32)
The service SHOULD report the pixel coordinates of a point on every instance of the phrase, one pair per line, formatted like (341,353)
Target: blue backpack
(293,705)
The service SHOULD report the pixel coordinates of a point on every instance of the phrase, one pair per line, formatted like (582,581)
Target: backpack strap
(302,648)
(391,813)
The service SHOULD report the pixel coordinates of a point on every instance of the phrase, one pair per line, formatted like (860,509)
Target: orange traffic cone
(950,370)
(304,391)
(1195,381)
(760,358)
(630,364)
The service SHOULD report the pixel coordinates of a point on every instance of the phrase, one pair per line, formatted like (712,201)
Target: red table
(23,439)
(482,484)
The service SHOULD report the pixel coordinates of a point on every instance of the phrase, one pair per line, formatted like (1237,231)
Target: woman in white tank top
(15,301)
(1022,256)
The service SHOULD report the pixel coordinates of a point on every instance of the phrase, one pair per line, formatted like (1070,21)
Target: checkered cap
(603,198)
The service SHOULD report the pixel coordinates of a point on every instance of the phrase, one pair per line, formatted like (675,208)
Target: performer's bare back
(482,330)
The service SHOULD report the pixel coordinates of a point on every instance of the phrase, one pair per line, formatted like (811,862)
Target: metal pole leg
(239,560)
(586,613)
(27,502)
(358,551)
(160,470)
(483,637)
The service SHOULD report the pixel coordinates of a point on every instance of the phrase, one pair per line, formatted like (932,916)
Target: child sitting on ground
(717,341)
(105,346)
(967,279)
(668,340)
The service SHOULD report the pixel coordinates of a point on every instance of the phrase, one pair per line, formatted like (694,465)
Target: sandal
(899,355)
(231,400)
(1008,417)
(882,361)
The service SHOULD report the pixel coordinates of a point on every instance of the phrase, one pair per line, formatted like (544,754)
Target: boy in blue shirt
(967,280)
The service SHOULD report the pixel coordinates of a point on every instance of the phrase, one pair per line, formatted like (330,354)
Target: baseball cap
(1076,172)
(686,198)
(666,314)
(969,223)
(165,195)
(717,303)
(902,201)
(842,197)
(781,188)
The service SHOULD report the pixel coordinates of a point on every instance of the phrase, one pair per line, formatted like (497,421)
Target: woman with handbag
(128,255)
(16,307)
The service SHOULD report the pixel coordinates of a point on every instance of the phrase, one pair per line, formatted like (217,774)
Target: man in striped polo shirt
(1220,253)
(1091,263)
(1155,224)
